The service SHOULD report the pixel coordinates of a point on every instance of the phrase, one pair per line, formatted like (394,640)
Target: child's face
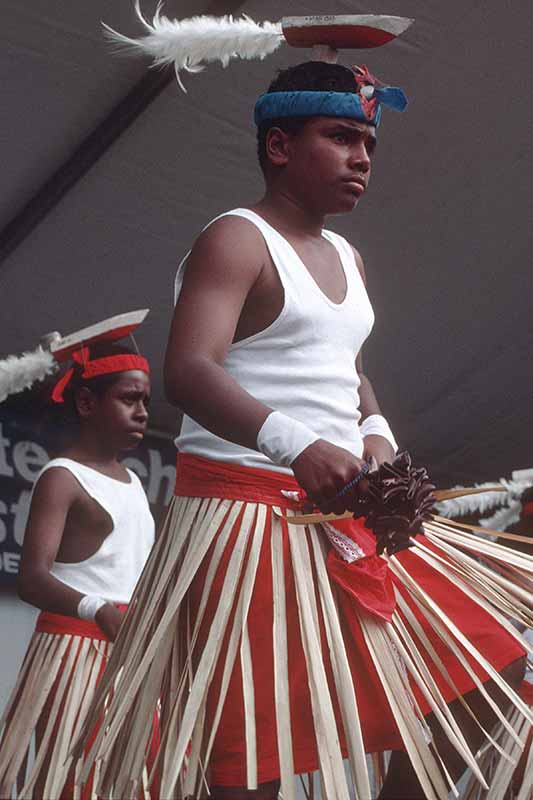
(121,413)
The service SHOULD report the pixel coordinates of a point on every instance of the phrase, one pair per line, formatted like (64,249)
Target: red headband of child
(100,366)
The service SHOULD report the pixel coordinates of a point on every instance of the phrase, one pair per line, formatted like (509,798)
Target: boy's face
(328,163)
(120,415)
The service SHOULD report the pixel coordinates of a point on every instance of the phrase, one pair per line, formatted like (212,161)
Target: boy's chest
(321,261)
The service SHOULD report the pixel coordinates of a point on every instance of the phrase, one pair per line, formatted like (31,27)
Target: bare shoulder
(229,246)
(359,262)
(57,486)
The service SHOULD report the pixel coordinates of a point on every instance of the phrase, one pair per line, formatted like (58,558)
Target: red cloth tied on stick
(367,581)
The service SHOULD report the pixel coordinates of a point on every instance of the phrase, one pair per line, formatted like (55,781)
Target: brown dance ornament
(395,500)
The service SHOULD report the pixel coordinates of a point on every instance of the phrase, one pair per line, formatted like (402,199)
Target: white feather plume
(191,43)
(503,518)
(509,500)
(20,372)
(473,503)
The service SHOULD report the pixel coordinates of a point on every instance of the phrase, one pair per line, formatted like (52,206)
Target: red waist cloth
(366,581)
(47,622)
(202,477)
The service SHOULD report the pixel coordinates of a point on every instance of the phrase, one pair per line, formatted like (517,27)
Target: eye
(341,138)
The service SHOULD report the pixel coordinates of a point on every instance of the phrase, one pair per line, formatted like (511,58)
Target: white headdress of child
(18,373)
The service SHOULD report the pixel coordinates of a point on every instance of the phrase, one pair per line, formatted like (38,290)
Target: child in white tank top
(89,533)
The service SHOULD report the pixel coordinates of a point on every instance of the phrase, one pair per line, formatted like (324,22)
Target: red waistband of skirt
(202,477)
(47,622)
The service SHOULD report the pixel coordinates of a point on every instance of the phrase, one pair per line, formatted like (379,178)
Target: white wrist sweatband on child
(376,425)
(89,606)
(283,438)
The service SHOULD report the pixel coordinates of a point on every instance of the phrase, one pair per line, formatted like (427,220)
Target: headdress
(189,44)
(18,373)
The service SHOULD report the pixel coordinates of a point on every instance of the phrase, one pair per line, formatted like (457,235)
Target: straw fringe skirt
(227,574)
(44,715)
(509,779)
(56,685)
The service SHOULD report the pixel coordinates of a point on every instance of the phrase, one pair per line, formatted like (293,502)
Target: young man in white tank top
(231,291)
(272,671)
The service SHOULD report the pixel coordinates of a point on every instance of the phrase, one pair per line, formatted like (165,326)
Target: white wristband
(89,606)
(376,425)
(283,438)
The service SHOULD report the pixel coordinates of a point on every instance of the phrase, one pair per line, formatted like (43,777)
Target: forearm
(39,588)
(205,391)
(378,439)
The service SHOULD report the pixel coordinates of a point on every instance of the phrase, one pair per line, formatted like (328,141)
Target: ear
(277,147)
(86,402)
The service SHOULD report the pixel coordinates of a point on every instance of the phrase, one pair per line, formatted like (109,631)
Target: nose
(359,157)
(141,412)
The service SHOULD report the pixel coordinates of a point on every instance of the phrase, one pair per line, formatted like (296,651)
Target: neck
(288,213)
(88,448)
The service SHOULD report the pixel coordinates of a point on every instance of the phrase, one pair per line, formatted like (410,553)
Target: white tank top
(113,571)
(303,364)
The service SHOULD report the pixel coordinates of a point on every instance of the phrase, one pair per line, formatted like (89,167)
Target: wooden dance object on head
(327,34)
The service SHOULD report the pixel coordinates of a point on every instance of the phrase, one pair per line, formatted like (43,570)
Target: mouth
(355,182)
(137,432)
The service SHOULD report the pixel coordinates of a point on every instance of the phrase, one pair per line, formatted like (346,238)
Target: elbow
(182,376)
(173,383)
(23,587)
(28,585)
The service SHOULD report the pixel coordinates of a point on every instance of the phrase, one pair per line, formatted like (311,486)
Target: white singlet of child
(303,364)
(113,571)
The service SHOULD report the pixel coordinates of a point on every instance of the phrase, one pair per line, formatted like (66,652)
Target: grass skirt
(238,628)
(65,660)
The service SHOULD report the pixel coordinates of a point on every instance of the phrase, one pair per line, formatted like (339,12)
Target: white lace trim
(347,549)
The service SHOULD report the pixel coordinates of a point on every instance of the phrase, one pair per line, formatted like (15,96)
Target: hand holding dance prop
(397,500)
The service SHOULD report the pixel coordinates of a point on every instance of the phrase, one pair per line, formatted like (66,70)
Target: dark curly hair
(312,76)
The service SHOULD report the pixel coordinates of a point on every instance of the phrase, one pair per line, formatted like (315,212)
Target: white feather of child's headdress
(507,503)
(189,44)
(20,372)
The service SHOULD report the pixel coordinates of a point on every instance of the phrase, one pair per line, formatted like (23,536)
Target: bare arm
(374,446)
(218,279)
(54,495)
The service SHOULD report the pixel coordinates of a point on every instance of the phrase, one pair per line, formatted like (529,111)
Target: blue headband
(277,105)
